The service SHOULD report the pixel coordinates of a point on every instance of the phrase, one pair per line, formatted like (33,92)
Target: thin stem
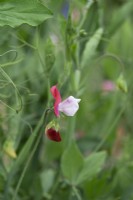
(114,57)
(26,167)
(88,5)
(12,50)
(48,89)
(56,183)
(71,130)
(76,193)
(11,63)
(7,106)
(30,157)
(24,42)
(38,52)
(111,128)
(16,89)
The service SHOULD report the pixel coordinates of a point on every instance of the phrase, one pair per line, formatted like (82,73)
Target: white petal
(69,106)
(78,100)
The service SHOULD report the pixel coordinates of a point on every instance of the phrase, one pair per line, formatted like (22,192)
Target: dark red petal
(56,94)
(54,135)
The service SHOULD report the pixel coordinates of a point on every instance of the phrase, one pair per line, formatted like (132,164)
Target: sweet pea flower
(108,86)
(69,106)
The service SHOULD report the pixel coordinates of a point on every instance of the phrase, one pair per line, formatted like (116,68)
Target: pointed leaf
(15,13)
(92,166)
(91,47)
(47,180)
(119,17)
(72,162)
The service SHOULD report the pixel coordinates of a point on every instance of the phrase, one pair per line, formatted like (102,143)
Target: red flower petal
(54,135)
(56,94)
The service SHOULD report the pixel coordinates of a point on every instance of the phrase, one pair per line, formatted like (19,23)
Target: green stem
(110,130)
(11,63)
(12,50)
(76,193)
(88,5)
(56,183)
(23,154)
(71,129)
(30,157)
(4,74)
(114,57)
(23,41)
(48,89)
(7,106)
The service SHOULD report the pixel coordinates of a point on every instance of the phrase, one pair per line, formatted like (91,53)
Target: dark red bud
(54,135)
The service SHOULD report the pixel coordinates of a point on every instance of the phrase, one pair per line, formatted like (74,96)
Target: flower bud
(121,83)
(82,33)
(52,131)
(8,147)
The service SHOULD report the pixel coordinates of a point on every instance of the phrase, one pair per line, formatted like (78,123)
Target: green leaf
(47,180)
(72,162)
(92,166)
(119,17)
(2,182)
(14,12)
(91,47)
(22,155)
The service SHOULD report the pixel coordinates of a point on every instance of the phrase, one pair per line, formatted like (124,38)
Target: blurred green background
(86,49)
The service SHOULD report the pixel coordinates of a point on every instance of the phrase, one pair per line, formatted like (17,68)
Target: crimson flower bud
(54,135)
(52,131)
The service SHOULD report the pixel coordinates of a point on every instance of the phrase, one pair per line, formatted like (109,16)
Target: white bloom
(69,106)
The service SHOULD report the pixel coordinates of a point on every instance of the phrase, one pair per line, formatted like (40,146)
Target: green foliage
(83,49)
(119,15)
(75,161)
(47,178)
(14,13)
(80,169)
(92,165)
(91,46)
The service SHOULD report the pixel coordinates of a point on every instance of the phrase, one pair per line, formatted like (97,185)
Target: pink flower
(69,106)
(108,86)
(56,94)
